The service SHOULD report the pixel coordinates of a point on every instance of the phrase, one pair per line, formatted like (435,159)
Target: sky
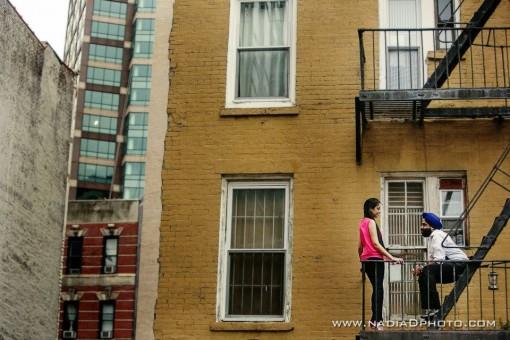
(47,19)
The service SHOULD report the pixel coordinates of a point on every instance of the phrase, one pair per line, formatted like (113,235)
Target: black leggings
(375,273)
(433,274)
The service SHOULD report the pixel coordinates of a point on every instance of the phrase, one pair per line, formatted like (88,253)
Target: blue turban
(433,220)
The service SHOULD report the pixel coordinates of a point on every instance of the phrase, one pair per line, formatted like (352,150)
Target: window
(405,199)
(97,148)
(446,17)
(144,38)
(70,322)
(452,206)
(107,319)
(140,85)
(134,177)
(101,124)
(102,100)
(403,47)
(145,5)
(261,60)
(107,30)
(110,255)
(107,54)
(110,8)
(103,76)
(74,254)
(255,261)
(136,133)
(95,173)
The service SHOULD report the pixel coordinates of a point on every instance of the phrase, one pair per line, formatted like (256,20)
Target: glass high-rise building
(119,49)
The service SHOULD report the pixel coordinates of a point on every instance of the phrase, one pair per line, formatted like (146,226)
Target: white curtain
(263,53)
(403,47)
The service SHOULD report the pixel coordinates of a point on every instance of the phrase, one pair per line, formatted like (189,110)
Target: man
(437,271)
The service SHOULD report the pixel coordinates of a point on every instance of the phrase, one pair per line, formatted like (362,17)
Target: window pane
(263,73)
(256,284)
(263,24)
(107,30)
(102,100)
(101,124)
(134,177)
(258,218)
(104,53)
(451,203)
(405,206)
(97,149)
(107,317)
(110,8)
(95,173)
(145,5)
(403,69)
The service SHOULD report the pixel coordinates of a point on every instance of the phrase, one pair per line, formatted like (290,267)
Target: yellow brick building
(288,134)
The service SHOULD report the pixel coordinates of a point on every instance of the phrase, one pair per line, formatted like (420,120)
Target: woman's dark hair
(370,203)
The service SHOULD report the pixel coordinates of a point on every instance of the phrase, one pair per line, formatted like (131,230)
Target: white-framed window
(405,196)
(403,48)
(254,281)
(261,55)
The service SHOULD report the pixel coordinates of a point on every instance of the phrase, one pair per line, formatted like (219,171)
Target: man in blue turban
(441,251)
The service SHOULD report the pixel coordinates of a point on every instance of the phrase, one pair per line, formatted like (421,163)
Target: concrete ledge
(441,335)
(271,111)
(251,326)
(99,280)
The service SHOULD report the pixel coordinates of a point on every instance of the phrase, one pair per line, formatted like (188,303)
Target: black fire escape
(470,64)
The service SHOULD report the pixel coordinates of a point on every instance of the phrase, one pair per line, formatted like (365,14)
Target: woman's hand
(398,260)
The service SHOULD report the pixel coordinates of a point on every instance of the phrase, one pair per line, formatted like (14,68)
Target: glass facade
(97,148)
(110,8)
(140,85)
(95,173)
(103,76)
(144,38)
(107,30)
(100,124)
(134,175)
(107,54)
(102,100)
(136,132)
(145,5)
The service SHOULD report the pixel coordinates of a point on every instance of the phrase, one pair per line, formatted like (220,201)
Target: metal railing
(484,304)
(404,59)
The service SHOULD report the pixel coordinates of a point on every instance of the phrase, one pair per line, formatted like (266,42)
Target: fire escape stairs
(488,240)
(458,48)
(421,98)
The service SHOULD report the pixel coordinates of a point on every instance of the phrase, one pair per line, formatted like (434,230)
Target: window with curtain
(261,66)
(70,321)
(110,254)
(257,251)
(107,319)
(403,48)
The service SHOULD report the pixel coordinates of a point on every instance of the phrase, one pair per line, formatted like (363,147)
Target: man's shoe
(430,314)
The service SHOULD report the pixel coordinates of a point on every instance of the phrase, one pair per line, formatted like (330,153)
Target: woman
(371,249)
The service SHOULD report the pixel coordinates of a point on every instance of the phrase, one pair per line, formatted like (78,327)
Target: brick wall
(316,146)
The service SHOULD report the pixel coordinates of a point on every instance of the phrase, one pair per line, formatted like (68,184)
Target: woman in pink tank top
(372,253)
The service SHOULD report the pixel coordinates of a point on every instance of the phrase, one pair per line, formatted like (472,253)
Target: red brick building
(99,270)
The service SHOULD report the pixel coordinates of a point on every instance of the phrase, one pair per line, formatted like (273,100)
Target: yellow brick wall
(317,146)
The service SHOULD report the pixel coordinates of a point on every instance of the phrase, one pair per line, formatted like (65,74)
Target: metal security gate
(404,204)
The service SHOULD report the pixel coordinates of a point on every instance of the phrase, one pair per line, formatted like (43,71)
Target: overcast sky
(47,19)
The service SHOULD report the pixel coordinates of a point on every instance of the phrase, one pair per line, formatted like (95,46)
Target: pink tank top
(366,241)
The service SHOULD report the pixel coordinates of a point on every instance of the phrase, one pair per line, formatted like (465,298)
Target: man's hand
(417,270)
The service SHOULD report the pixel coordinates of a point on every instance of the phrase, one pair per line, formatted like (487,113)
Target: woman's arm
(360,248)
(372,228)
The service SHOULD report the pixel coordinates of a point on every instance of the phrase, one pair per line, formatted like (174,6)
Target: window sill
(251,326)
(438,55)
(270,111)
